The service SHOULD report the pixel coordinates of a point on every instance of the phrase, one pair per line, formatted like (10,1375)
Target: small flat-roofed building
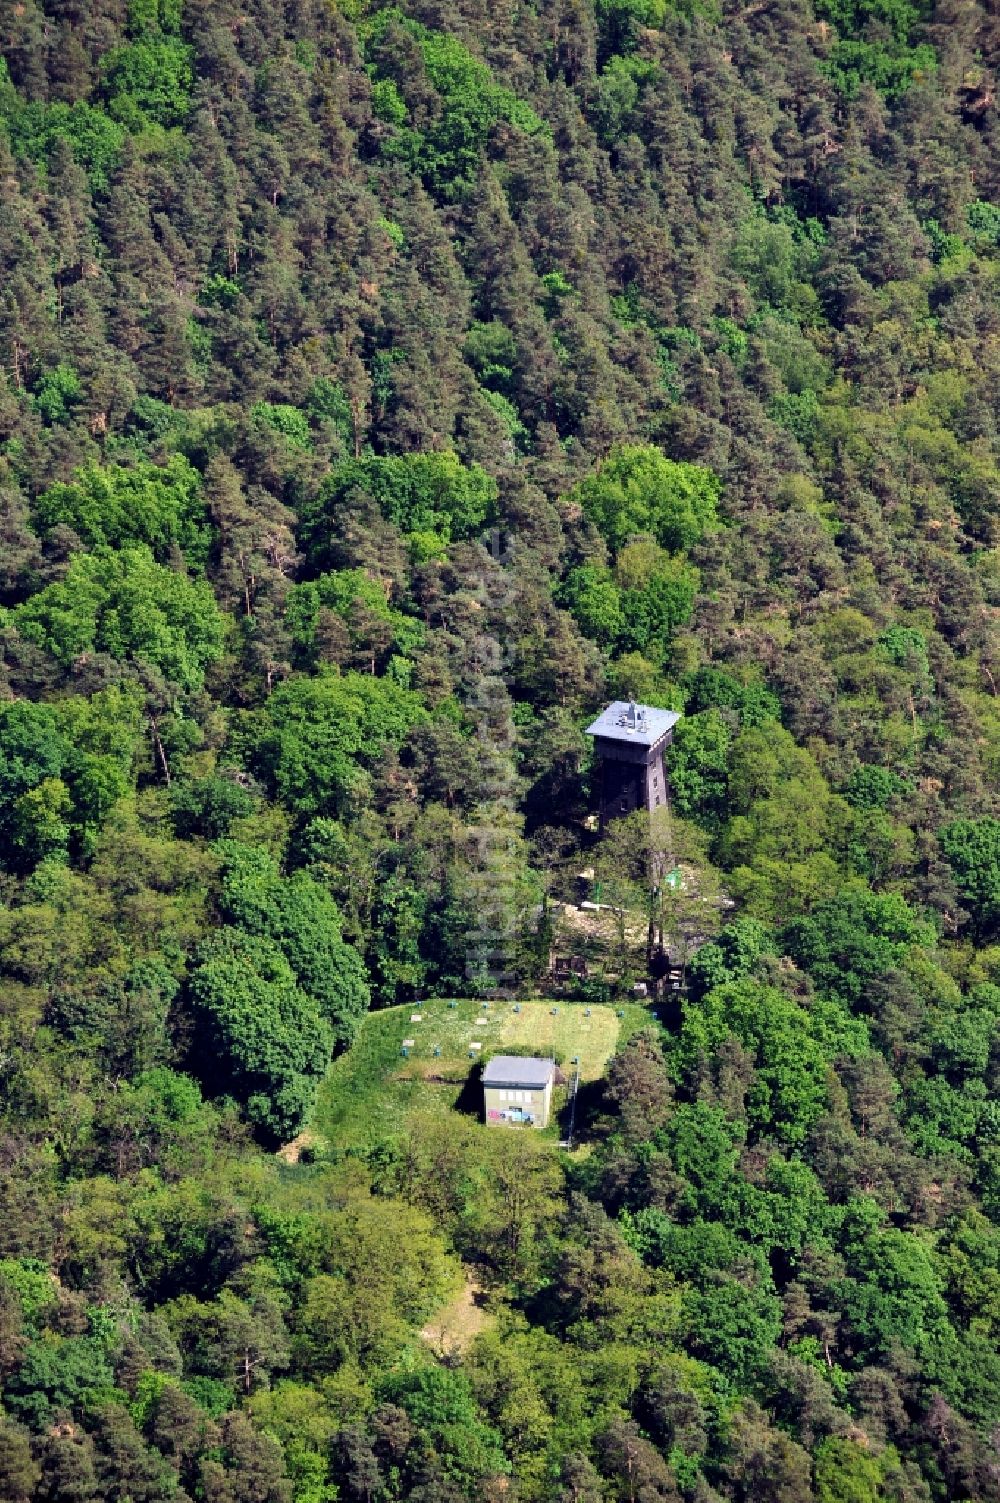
(517,1092)
(629,740)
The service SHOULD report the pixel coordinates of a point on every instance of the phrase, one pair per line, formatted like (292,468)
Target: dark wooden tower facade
(630,740)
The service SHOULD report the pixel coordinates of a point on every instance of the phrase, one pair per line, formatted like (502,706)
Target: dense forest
(382,391)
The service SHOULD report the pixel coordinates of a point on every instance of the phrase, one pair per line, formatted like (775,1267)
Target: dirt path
(292,1152)
(452,1330)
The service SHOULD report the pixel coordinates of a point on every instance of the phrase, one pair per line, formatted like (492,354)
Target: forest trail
(453,1329)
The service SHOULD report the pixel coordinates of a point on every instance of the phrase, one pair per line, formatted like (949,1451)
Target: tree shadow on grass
(470,1098)
(589,1106)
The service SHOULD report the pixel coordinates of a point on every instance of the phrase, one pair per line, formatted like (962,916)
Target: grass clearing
(567,1034)
(371,1091)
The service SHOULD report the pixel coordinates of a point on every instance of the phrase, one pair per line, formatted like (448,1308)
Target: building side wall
(630,783)
(622,790)
(631,751)
(657,793)
(507,1106)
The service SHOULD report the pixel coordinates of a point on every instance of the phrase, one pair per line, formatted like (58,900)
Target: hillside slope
(381,391)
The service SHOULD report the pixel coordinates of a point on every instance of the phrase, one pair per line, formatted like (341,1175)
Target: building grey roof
(513,1070)
(643,725)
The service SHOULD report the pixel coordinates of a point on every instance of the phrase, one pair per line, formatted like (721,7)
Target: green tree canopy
(444,145)
(149,81)
(658,594)
(374,628)
(699,767)
(159,505)
(972,848)
(715,689)
(63,767)
(733,1326)
(421,493)
(639,490)
(590,594)
(299,915)
(854,938)
(788,1089)
(731,956)
(126,604)
(270,1042)
(318,736)
(441,1402)
(37,130)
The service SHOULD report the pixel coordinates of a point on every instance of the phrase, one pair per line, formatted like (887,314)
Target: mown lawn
(372,1090)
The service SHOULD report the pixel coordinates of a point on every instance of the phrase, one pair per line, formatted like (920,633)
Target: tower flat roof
(642,725)
(515,1070)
